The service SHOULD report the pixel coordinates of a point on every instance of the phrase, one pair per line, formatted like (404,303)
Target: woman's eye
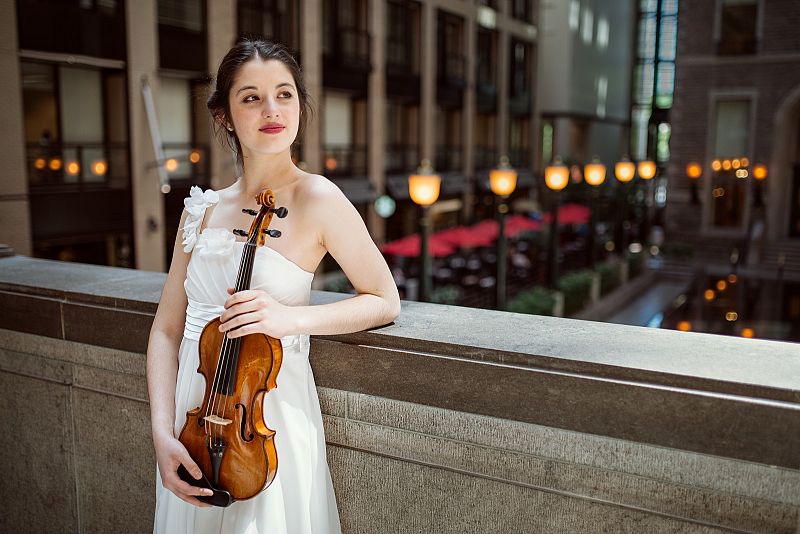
(287,93)
(247,98)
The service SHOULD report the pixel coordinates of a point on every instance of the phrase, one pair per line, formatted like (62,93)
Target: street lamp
(594,174)
(760,174)
(423,188)
(625,171)
(694,171)
(503,181)
(556,177)
(647,171)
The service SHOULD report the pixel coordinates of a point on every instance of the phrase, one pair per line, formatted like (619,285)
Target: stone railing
(449,420)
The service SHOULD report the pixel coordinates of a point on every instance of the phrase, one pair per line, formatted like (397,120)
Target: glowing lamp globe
(556,175)
(760,172)
(594,173)
(694,170)
(503,179)
(423,187)
(647,169)
(624,170)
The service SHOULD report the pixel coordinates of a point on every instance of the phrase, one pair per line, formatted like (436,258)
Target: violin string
(220,370)
(226,369)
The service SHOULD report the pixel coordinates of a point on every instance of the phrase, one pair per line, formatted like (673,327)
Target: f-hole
(243,423)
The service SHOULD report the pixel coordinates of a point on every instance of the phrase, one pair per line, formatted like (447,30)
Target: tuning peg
(249,211)
(240,232)
(280,212)
(272,233)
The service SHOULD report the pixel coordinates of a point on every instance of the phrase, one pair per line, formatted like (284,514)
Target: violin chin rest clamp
(220,498)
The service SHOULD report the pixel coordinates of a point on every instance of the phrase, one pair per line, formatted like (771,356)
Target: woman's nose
(270,108)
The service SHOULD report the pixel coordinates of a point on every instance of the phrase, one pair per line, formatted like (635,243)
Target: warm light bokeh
(647,169)
(694,170)
(624,171)
(594,173)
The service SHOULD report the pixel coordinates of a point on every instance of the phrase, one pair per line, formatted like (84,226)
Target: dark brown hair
(243,51)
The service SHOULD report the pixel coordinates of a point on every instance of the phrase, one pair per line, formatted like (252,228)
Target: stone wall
(449,420)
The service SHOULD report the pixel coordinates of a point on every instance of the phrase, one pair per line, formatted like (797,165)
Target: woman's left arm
(345,236)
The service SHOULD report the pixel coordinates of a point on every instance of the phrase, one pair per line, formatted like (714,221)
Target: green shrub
(609,277)
(449,294)
(576,287)
(536,301)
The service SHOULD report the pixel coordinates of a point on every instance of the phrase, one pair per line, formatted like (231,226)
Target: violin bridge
(217,420)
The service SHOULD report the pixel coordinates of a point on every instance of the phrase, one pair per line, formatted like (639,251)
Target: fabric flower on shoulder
(216,241)
(196,204)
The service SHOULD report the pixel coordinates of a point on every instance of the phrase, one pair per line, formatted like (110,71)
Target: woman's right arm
(162,373)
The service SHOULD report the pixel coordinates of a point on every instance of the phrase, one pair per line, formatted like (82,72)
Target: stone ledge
(736,398)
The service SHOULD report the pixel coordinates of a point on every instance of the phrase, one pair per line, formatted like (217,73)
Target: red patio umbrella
(571,214)
(461,236)
(409,246)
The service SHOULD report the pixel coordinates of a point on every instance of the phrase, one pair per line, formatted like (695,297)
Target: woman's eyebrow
(246,87)
(284,83)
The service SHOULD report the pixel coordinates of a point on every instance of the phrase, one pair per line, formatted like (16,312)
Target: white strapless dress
(301,498)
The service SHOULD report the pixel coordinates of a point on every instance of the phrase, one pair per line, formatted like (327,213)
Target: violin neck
(246,267)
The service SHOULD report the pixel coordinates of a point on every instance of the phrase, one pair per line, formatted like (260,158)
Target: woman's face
(265,108)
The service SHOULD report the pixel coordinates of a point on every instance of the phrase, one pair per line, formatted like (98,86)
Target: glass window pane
(669,7)
(668,38)
(643,78)
(731,128)
(647,37)
(81,101)
(666,84)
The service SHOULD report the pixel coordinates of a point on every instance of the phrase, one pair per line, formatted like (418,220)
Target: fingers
(246,330)
(241,296)
(186,491)
(239,309)
(244,319)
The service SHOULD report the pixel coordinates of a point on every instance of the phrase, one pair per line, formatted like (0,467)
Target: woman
(260,104)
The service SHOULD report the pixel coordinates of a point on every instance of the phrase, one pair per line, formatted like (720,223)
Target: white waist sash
(198,314)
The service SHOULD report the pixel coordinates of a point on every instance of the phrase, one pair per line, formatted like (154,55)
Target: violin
(227,435)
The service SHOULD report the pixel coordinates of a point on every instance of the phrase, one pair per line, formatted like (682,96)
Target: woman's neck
(267,171)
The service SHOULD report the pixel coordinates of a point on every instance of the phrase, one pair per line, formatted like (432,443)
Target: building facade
(584,95)
(736,115)
(101,92)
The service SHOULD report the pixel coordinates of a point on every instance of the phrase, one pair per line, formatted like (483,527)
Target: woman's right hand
(170,453)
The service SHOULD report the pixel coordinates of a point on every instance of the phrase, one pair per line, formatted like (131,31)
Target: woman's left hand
(253,311)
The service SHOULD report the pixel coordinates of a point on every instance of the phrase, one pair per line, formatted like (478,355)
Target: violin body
(250,460)
(227,435)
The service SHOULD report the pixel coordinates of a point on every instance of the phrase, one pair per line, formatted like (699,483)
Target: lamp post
(423,188)
(556,177)
(594,174)
(647,170)
(503,181)
(760,174)
(625,171)
(694,171)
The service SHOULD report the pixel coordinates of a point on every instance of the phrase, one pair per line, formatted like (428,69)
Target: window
(738,20)
(731,142)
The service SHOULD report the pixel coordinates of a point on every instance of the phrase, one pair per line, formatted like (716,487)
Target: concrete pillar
(471,40)
(376,105)
(428,81)
(148,205)
(311,50)
(221,36)
(15,223)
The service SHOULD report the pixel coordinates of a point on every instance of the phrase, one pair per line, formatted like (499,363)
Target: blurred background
(631,161)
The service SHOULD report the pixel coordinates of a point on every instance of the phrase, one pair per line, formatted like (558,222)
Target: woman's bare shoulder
(315,188)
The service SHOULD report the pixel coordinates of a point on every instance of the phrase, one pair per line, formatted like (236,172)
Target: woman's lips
(272,129)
